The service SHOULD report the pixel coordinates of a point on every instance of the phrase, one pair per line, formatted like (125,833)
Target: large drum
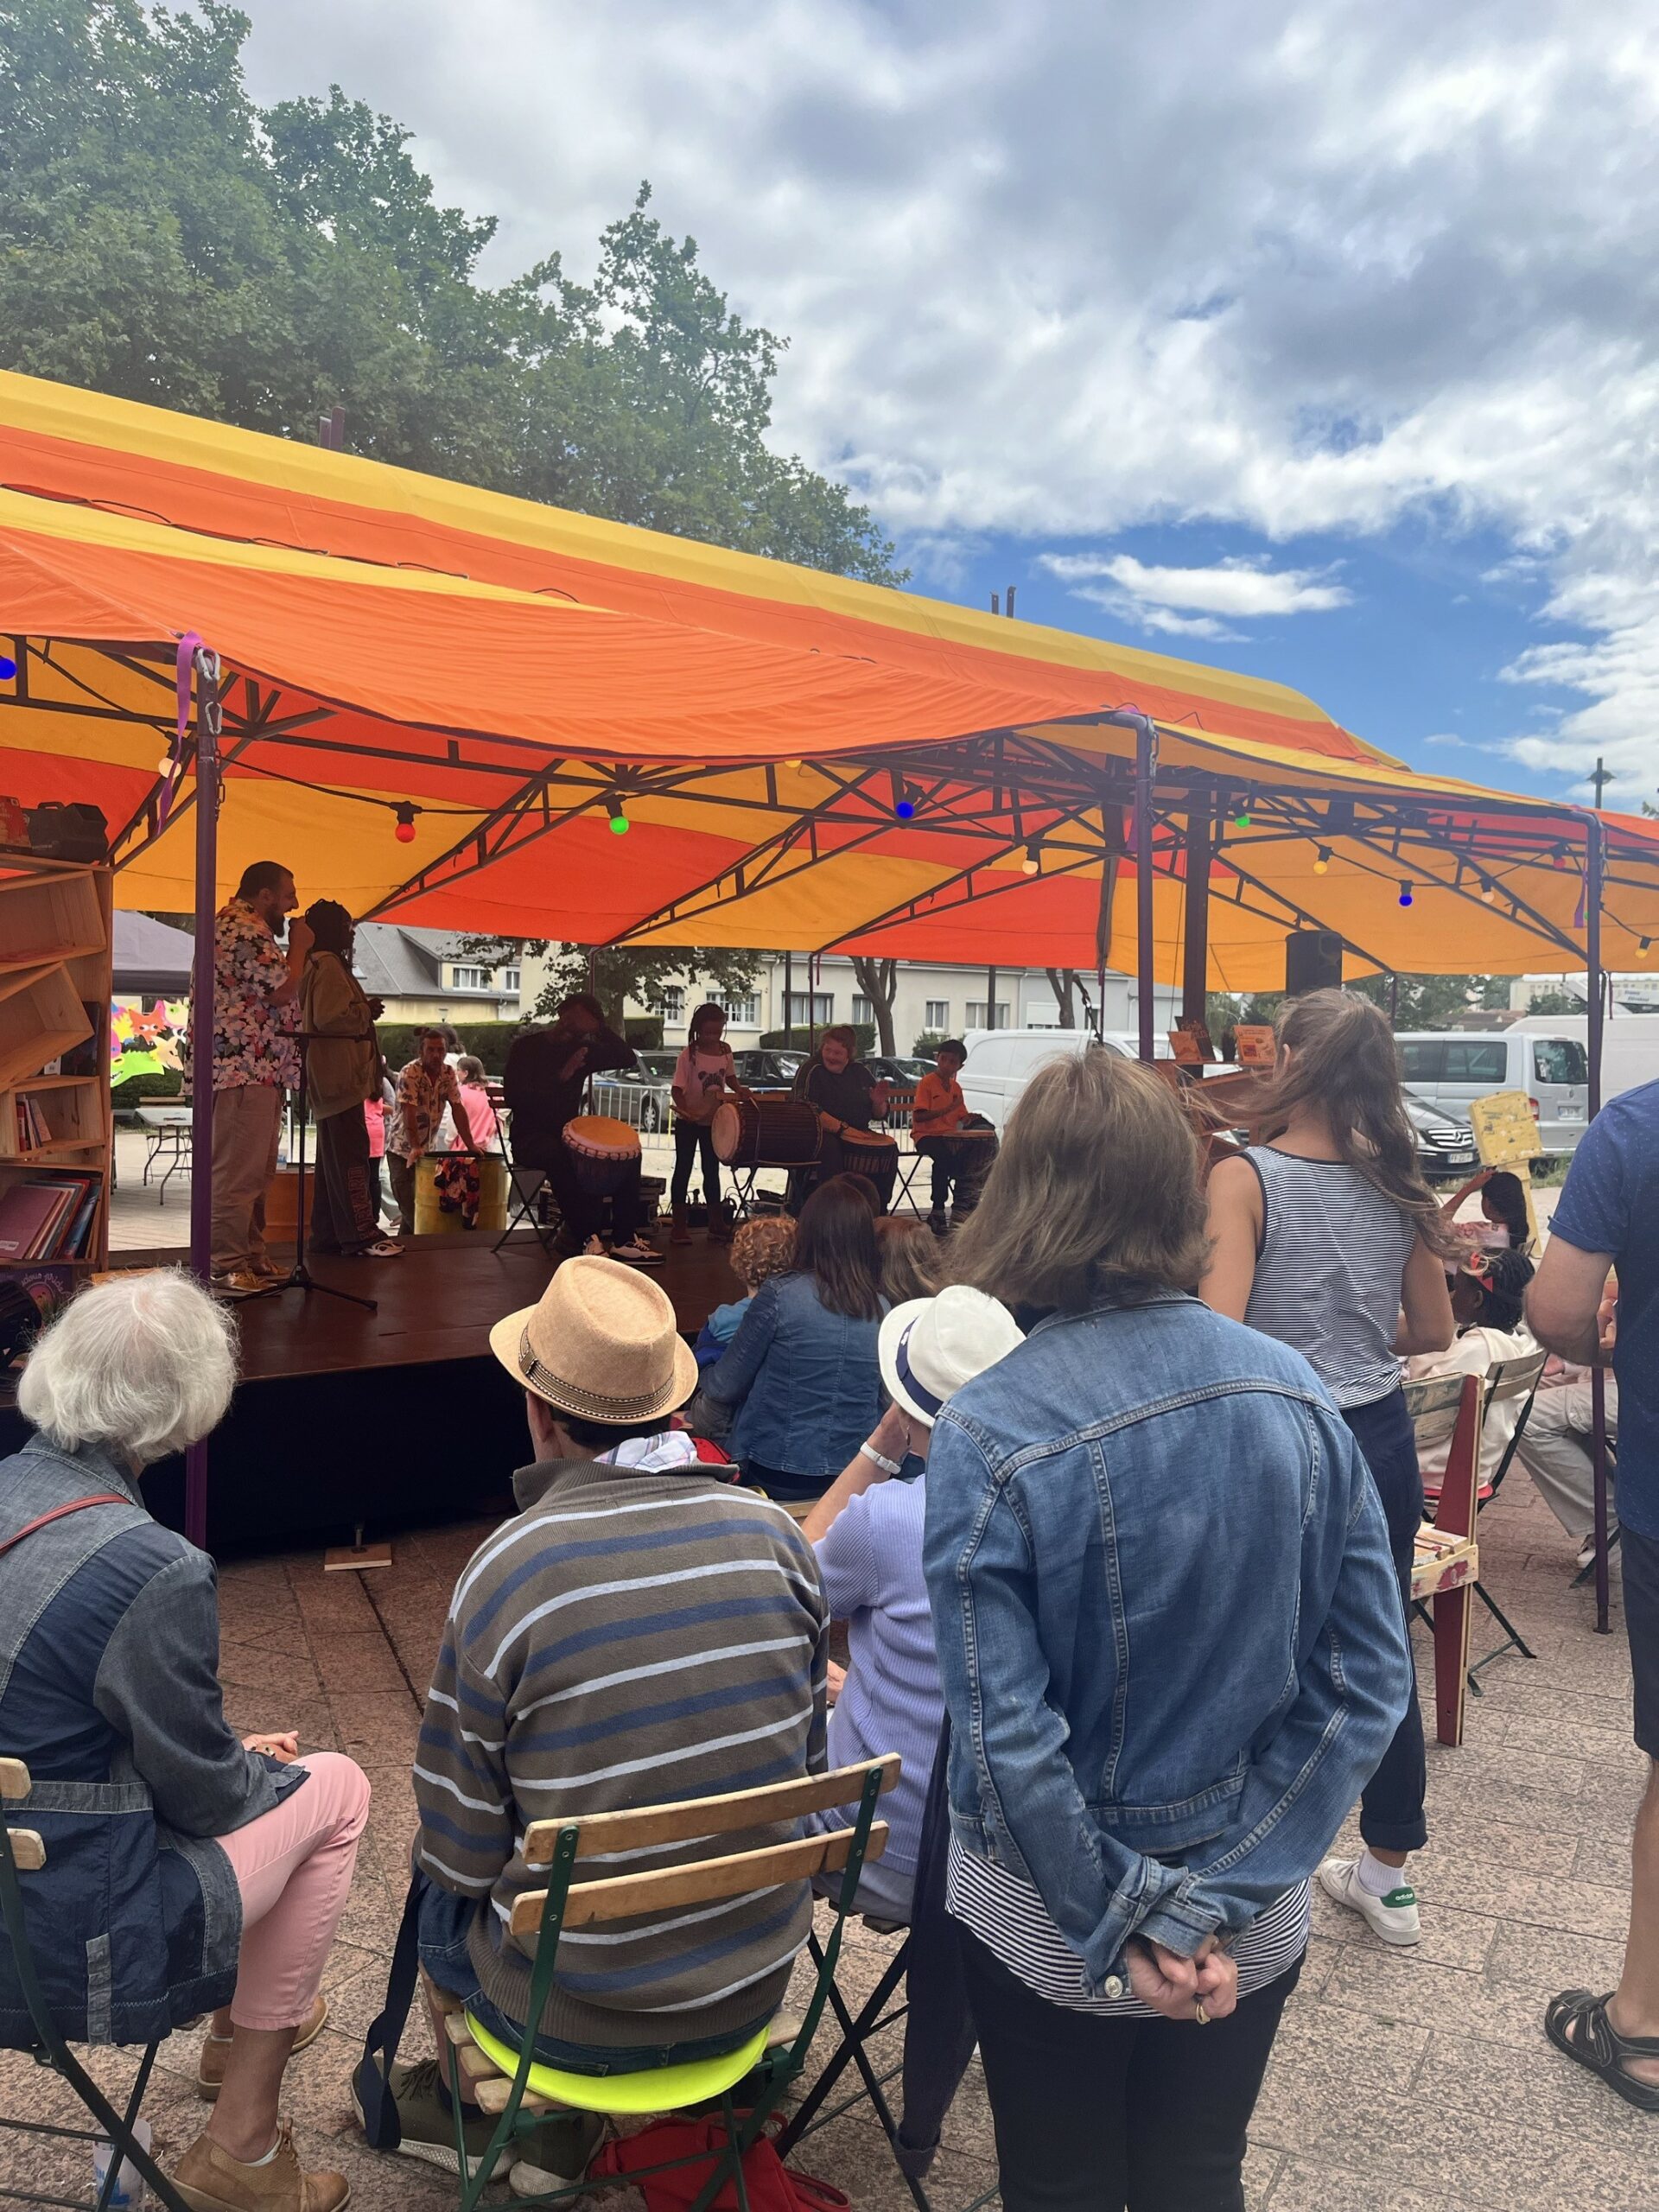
(764,1132)
(867,1152)
(602,1150)
(972,1150)
(434,1218)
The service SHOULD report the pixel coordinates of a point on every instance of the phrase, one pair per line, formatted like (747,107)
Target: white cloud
(1237,588)
(1310,266)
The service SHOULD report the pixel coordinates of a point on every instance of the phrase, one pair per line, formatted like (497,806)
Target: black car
(772,1069)
(1446,1148)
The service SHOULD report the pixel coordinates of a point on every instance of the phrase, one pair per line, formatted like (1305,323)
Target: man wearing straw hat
(642,1631)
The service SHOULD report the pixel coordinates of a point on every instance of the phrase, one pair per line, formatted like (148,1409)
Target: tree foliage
(164,239)
(1423,1001)
(616,973)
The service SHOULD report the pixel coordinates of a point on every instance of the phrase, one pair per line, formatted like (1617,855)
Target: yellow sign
(1254,1043)
(1506,1135)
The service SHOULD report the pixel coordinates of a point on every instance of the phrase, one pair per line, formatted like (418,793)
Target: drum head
(602,1136)
(726,1132)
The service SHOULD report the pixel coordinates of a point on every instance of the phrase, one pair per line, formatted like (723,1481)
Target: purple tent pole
(1145,763)
(201,1014)
(1592,886)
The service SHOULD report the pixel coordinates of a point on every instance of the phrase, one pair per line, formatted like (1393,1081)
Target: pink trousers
(294,1866)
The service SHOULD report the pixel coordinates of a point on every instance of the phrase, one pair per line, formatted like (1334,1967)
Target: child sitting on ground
(761,1249)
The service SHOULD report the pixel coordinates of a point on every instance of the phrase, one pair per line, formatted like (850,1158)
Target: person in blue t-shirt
(1607,1223)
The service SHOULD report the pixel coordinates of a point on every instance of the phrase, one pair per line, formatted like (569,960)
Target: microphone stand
(299,1276)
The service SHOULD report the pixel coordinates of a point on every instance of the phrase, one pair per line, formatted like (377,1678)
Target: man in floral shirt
(256,1060)
(425,1087)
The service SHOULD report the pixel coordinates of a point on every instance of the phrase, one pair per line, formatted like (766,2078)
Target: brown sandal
(1576,2022)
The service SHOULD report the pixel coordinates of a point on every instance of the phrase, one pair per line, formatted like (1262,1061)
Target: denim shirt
(806,1381)
(1169,1632)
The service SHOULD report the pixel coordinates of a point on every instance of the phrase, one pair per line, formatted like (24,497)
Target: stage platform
(387,1419)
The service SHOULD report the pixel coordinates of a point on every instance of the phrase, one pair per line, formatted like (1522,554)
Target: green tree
(1423,1001)
(1552,1001)
(164,239)
(615,973)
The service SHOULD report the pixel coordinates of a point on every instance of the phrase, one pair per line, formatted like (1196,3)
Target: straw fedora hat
(928,1347)
(601,1343)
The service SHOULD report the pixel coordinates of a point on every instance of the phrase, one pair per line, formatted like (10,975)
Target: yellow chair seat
(657,2088)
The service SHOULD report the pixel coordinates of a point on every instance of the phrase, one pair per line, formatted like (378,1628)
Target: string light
(404,833)
(617,817)
(1241,819)
(1032,864)
(7,668)
(904,801)
(1405,894)
(1644,944)
(1322,862)
(1488,892)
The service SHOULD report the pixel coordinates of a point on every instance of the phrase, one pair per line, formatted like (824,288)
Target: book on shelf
(49,1216)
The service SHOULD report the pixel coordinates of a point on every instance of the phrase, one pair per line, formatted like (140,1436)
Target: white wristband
(887,1466)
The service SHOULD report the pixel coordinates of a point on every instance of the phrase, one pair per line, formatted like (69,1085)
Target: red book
(25,1210)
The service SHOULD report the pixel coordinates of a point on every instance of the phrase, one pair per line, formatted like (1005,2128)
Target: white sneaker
(1393,1918)
(641,1254)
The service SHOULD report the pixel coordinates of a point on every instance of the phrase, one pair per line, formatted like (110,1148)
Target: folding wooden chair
(1509,1380)
(512,2085)
(22,1852)
(525,1210)
(1446,1559)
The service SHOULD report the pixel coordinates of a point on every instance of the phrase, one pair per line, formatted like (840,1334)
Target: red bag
(771,2186)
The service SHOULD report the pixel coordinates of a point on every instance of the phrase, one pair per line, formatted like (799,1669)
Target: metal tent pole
(208,724)
(1195,972)
(1145,764)
(1592,893)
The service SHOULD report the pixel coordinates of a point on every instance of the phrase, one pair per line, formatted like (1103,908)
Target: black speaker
(1313,961)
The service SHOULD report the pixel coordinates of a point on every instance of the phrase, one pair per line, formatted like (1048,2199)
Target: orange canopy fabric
(802,761)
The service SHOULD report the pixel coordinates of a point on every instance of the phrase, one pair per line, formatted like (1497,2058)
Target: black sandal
(1576,2022)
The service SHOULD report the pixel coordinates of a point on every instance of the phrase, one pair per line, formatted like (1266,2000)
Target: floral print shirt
(421,1101)
(253,1040)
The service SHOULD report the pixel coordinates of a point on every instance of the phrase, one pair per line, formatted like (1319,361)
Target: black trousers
(1094,2114)
(342,1212)
(689,1139)
(1391,1816)
(583,1210)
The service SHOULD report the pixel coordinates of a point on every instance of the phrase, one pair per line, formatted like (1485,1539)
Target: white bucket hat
(929,1347)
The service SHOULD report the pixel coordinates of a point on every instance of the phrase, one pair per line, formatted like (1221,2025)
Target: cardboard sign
(1506,1135)
(1186,1048)
(1254,1043)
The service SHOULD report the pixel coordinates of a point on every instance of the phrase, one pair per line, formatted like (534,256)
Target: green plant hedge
(485,1040)
(154,1083)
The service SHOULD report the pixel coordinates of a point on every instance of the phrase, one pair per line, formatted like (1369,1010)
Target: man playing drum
(847,1098)
(543,1084)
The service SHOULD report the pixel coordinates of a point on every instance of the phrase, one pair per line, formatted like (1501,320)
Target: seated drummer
(845,1094)
(542,1088)
(939,1113)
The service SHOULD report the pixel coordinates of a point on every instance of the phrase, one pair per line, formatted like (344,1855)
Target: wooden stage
(388,1419)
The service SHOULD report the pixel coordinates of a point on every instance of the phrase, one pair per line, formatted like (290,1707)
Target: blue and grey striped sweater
(641,1632)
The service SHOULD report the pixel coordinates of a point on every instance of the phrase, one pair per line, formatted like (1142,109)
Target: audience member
(910,1258)
(704,1074)
(1322,1235)
(1173,1648)
(867,1531)
(801,1384)
(1607,1218)
(375,1111)
(481,1108)
(1504,1225)
(1557,1450)
(574,1626)
(1488,1295)
(762,1247)
(168,1839)
(342,1072)
(425,1087)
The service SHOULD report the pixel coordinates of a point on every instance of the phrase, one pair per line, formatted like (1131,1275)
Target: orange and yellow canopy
(803,762)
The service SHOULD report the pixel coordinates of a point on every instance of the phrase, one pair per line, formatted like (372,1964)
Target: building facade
(425,975)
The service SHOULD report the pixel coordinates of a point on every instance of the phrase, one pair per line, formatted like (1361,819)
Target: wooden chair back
(26,1849)
(624,1897)
(1434,1397)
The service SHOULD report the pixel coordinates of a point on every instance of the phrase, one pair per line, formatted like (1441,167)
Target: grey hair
(143,1365)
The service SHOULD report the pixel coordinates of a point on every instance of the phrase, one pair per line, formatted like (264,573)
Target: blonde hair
(762,1249)
(909,1259)
(1095,1190)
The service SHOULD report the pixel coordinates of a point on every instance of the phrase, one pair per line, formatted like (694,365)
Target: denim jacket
(806,1382)
(1169,1632)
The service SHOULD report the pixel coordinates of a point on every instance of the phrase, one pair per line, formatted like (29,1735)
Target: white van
(1629,1045)
(1001,1062)
(1450,1069)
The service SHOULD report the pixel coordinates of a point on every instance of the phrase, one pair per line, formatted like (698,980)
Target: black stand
(299,1276)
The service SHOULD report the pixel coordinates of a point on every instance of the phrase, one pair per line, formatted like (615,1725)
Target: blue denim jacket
(806,1382)
(1169,1630)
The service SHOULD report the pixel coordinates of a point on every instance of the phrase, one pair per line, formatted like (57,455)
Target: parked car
(895,1068)
(773,1069)
(1001,1062)
(1446,1148)
(1451,1069)
(642,1096)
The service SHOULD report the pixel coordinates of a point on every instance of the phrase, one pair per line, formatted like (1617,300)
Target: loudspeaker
(1313,961)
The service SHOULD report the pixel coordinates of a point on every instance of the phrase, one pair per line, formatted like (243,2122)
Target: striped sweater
(641,1632)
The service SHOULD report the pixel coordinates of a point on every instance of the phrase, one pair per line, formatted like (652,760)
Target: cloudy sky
(1314,339)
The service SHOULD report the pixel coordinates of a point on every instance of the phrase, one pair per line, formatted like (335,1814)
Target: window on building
(510,979)
(816,1009)
(936,1014)
(862,1010)
(471,979)
(671,1003)
(740,1008)
(977,1017)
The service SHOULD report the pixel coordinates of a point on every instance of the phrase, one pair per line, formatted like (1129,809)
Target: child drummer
(936,1121)
(704,1075)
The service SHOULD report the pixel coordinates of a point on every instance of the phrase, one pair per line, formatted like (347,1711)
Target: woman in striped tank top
(1327,1236)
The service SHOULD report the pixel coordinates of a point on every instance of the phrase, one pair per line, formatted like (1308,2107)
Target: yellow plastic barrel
(431,1221)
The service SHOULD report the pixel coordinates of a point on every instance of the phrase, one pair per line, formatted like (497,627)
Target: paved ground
(1402,2082)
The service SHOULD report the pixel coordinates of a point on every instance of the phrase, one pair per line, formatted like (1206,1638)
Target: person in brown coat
(342,1073)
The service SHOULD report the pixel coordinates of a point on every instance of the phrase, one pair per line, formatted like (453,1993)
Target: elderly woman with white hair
(187,1870)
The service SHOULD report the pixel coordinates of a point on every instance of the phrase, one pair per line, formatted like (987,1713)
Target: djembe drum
(602,1150)
(764,1132)
(868,1151)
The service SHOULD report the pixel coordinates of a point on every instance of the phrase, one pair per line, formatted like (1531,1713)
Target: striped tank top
(1328,1271)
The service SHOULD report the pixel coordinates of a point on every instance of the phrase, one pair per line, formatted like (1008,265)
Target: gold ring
(1198,2013)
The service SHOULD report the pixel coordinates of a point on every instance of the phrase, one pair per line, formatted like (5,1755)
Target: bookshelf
(55,1122)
